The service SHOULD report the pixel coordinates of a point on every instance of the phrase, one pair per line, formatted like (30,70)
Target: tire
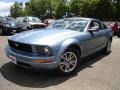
(118,34)
(68,62)
(1,32)
(107,49)
(28,28)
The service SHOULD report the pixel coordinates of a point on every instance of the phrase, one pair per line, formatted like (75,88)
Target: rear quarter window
(103,26)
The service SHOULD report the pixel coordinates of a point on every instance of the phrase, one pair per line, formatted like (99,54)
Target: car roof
(81,18)
(25,17)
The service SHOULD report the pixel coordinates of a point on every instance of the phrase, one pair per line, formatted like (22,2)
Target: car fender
(109,35)
(67,43)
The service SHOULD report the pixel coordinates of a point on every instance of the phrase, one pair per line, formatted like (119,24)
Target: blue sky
(5,6)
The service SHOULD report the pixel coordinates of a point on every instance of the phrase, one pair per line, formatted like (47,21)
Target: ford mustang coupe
(60,46)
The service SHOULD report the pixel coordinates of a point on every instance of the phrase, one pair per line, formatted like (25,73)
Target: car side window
(25,19)
(103,26)
(95,24)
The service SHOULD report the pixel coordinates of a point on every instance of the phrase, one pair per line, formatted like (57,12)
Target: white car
(29,22)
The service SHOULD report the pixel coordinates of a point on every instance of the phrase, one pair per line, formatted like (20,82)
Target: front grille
(20,46)
(37,26)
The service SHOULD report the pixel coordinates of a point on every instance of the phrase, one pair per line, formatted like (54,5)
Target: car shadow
(6,35)
(42,79)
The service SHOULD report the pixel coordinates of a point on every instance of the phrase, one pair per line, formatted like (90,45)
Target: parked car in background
(8,25)
(48,22)
(113,26)
(60,47)
(29,22)
(0,23)
(118,30)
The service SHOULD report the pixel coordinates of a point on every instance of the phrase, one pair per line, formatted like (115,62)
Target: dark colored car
(8,25)
(113,26)
(118,31)
(48,22)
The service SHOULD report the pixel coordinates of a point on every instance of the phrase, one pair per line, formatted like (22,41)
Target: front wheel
(68,62)
(1,32)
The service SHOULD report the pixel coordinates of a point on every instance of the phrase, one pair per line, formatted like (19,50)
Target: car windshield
(73,24)
(9,20)
(34,19)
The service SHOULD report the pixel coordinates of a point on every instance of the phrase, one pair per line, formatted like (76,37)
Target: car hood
(44,36)
(12,24)
(36,23)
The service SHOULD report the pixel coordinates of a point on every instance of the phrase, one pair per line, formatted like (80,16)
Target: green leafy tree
(39,8)
(46,8)
(101,9)
(91,8)
(116,10)
(76,7)
(60,9)
(16,10)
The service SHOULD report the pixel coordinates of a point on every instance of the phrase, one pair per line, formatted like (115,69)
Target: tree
(116,8)
(91,8)
(60,9)
(104,9)
(46,8)
(16,10)
(39,8)
(76,7)
(100,9)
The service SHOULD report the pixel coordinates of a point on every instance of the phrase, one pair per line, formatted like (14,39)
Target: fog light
(43,61)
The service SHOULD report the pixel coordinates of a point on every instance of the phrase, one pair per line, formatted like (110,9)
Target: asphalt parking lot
(97,72)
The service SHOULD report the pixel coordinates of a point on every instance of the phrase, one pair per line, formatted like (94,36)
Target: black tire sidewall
(1,32)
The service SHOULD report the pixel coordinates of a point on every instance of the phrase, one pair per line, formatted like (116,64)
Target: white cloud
(5,8)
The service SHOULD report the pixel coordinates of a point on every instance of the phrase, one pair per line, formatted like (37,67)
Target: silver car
(61,46)
(29,22)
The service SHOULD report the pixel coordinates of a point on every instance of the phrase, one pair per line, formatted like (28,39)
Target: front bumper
(27,61)
(37,26)
(11,29)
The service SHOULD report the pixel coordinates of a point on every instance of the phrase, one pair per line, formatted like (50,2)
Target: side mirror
(24,21)
(94,29)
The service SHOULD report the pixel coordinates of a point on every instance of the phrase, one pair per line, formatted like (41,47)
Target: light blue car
(60,46)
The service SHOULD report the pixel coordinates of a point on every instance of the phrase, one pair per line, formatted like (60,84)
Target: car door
(25,23)
(96,39)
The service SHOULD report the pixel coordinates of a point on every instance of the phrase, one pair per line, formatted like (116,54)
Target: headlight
(12,24)
(44,50)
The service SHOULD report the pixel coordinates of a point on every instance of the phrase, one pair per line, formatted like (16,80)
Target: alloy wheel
(68,62)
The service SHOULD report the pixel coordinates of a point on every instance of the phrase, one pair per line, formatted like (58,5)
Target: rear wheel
(28,28)
(68,62)
(107,49)
(118,33)
(1,32)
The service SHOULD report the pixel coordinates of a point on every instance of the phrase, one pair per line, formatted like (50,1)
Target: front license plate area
(13,59)
(14,31)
